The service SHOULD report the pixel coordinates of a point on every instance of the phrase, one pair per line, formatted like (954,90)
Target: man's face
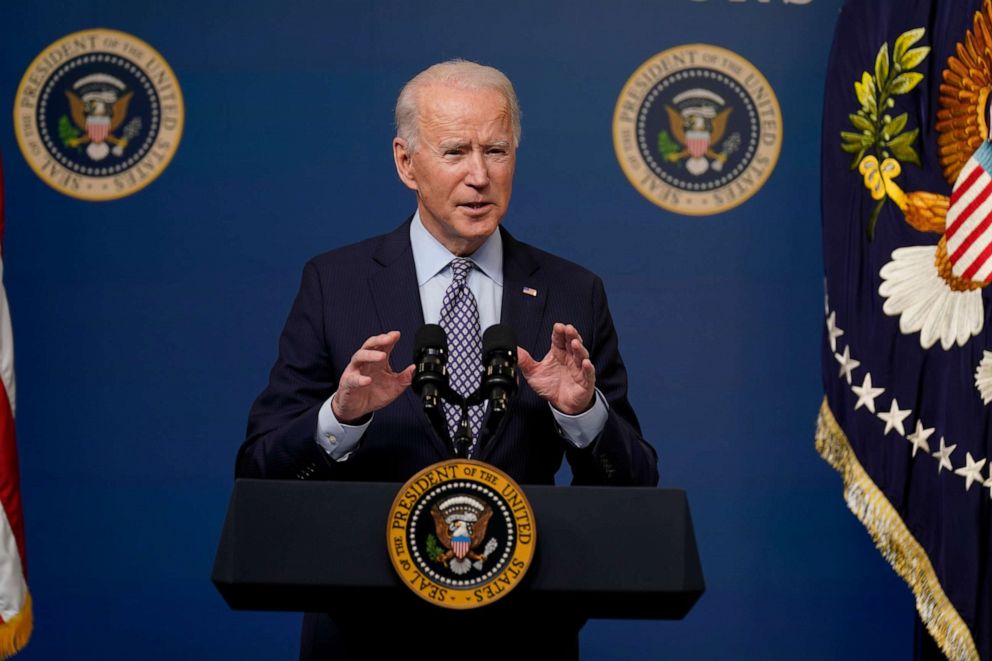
(462,169)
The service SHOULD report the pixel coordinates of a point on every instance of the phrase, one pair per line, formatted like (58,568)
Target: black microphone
(430,354)
(499,360)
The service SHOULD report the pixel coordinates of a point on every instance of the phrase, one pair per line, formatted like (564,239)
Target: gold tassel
(894,541)
(14,633)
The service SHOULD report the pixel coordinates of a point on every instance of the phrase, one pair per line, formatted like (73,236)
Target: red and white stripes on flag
(969,219)
(16,619)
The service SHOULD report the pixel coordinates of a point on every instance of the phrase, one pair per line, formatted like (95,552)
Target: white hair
(457,73)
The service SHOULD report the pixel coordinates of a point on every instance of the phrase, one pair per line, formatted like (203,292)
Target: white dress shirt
(433,264)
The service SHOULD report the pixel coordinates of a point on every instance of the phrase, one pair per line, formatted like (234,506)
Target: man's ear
(403,158)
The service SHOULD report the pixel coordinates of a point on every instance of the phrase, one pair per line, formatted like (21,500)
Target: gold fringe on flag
(894,541)
(14,634)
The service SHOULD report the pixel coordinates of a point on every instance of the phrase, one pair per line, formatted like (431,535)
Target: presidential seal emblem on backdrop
(98,115)
(697,129)
(461,534)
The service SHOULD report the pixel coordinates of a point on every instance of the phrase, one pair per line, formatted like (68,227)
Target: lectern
(602,552)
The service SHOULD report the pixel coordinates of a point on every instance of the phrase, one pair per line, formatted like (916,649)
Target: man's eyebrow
(502,144)
(452,144)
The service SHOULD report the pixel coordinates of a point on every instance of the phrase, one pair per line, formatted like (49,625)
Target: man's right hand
(369,383)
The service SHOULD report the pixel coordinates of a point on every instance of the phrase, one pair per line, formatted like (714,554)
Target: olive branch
(878,133)
(667,146)
(434,550)
(68,132)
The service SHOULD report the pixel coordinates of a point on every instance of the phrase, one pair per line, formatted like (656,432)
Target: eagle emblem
(935,290)
(461,534)
(460,524)
(98,105)
(698,121)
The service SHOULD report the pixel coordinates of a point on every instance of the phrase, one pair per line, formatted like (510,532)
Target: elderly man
(335,406)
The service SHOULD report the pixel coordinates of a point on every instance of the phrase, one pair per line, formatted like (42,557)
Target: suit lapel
(525,293)
(396,297)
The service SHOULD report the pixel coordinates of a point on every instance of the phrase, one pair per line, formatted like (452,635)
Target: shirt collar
(430,257)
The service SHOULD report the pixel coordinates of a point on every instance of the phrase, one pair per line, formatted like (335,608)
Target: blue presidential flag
(907,352)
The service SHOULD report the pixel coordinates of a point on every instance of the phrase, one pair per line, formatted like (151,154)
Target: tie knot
(460,268)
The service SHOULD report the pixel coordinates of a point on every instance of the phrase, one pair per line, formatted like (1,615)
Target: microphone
(499,359)
(430,354)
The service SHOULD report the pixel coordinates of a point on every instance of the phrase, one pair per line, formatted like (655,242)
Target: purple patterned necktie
(460,320)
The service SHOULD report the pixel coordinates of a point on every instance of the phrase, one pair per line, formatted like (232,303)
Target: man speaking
(339,404)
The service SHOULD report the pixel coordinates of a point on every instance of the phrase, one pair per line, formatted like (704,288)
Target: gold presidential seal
(697,129)
(461,534)
(98,115)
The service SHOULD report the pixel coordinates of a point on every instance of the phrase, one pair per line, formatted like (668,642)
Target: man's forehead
(440,102)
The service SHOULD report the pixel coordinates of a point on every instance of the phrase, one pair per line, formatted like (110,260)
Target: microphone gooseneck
(497,387)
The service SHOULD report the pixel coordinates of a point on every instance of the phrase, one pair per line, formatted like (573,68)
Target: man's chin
(478,224)
(472,233)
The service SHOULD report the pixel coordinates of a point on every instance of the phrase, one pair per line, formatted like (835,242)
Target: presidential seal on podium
(461,534)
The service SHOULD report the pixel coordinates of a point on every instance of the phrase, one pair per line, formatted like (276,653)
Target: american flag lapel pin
(530,291)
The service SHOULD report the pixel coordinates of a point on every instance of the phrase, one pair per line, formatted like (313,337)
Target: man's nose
(478,170)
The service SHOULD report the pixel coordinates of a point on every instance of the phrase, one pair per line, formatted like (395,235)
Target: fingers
(368,383)
(353,380)
(525,361)
(375,349)
(573,355)
(567,350)
(405,377)
(563,335)
(365,356)
(558,340)
(579,351)
(384,342)
(588,372)
(567,346)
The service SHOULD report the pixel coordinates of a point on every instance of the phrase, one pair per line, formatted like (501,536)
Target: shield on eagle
(969,219)
(97,128)
(697,143)
(460,545)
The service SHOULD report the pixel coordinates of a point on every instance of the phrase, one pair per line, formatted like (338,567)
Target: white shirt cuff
(582,429)
(338,440)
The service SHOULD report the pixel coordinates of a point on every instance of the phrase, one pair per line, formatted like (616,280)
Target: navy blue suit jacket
(352,293)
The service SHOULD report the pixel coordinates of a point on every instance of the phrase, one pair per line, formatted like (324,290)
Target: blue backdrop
(146,326)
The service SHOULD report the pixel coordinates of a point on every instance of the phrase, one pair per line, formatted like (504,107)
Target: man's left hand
(565,377)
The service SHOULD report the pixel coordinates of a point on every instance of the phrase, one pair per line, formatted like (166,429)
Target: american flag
(16,619)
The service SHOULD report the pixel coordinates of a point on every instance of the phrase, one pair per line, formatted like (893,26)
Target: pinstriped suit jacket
(351,293)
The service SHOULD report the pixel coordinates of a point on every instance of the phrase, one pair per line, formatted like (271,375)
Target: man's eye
(452,152)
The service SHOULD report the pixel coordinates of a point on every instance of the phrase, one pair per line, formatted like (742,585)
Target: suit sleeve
(282,423)
(619,455)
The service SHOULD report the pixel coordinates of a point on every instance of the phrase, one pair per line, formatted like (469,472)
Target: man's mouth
(476,209)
